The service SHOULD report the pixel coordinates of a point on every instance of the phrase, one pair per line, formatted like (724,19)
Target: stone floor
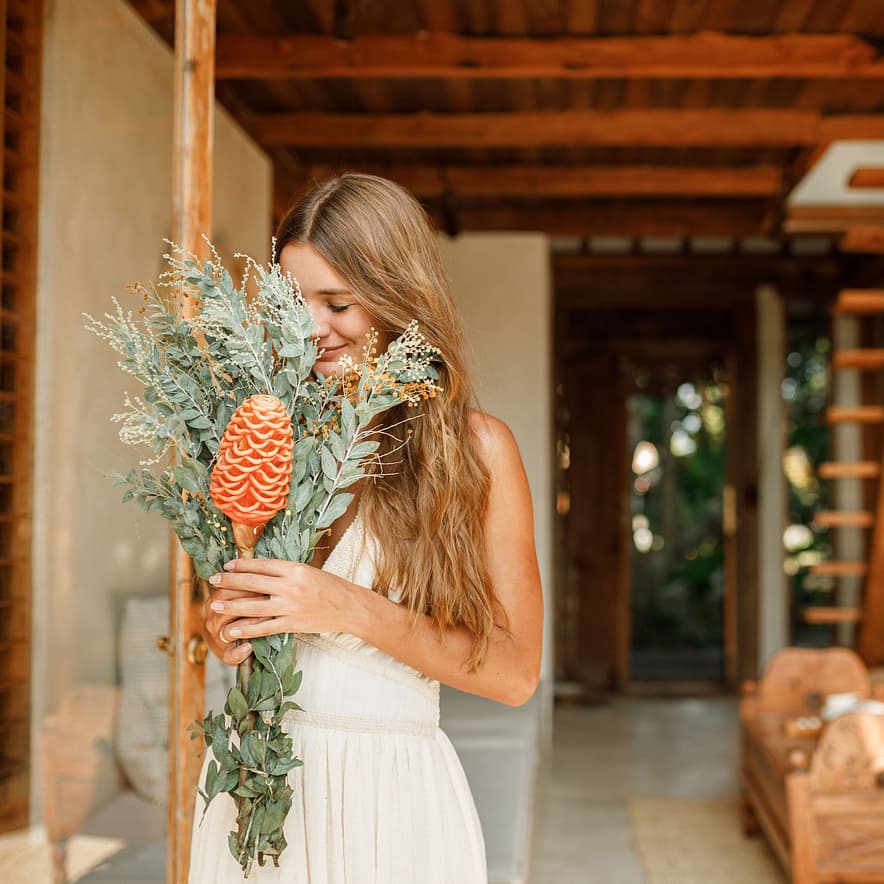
(602,757)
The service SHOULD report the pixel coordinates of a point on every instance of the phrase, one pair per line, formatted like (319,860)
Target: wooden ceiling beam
(735,218)
(871,176)
(707,55)
(537,181)
(863,239)
(832,219)
(675,127)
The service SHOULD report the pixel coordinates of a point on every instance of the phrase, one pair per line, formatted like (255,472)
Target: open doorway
(679,499)
(653,469)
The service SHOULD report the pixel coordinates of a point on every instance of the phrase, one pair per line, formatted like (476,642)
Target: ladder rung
(858,414)
(860,301)
(861,360)
(840,569)
(832,615)
(836,519)
(865,469)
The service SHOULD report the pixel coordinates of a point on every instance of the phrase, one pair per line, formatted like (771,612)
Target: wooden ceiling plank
(652,16)
(687,16)
(428,181)
(872,176)
(439,15)
(649,128)
(852,126)
(791,15)
(644,218)
(435,54)
(511,18)
(863,239)
(583,16)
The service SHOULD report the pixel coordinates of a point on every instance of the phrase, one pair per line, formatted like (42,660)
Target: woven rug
(685,841)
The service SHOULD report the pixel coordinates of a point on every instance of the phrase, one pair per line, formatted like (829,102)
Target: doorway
(655,566)
(678,497)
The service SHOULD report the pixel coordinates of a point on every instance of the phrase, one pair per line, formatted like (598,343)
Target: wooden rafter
(863,239)
(832,219)
(570,128)
(445,56)
(872,176)
(676,127)
(638,217)
(429,182)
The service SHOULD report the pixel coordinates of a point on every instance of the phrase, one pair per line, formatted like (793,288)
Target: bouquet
(262,453)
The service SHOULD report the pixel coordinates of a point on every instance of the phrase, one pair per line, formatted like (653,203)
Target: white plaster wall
(105,206)
(502,282)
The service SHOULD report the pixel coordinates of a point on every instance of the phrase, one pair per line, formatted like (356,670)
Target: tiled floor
(606,755)
(601,758)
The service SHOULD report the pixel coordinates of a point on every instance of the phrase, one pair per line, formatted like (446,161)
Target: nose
(321,328)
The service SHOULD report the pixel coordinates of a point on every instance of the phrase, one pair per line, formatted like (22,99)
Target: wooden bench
(818,798)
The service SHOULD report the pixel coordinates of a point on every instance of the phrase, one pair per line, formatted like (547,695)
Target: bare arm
(291,597)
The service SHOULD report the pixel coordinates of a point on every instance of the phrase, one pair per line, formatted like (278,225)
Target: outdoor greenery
(678,575)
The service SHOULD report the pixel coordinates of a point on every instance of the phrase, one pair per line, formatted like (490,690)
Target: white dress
(382,797)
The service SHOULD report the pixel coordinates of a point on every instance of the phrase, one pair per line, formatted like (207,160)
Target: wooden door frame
(194,106)
(742,473)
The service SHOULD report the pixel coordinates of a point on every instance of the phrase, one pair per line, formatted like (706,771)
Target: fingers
(246,583)
(267,567)
(235,654)
(254,628)
(217,592)
(245,606)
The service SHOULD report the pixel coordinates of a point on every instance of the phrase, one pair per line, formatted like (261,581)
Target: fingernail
(217,606)
(215,579)
(235,630)
(228,566)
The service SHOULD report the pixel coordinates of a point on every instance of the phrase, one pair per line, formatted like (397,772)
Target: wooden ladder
(869,615)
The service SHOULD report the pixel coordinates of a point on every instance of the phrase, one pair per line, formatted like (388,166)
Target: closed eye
(338,308)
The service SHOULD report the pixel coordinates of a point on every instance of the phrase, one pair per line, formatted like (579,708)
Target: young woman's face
(341,322)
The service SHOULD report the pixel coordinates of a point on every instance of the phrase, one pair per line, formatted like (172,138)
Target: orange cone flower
(251,478)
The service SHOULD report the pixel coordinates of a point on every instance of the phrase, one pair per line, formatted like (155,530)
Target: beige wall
(502,282)
(105,207)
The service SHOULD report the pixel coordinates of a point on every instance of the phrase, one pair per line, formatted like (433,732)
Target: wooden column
(192,217)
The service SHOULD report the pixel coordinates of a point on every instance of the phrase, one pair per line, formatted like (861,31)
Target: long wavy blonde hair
(428,509)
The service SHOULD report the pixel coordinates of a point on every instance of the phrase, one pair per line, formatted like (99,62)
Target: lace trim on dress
(360,725)
(367,657)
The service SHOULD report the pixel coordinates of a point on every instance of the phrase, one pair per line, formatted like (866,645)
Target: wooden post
(192,217)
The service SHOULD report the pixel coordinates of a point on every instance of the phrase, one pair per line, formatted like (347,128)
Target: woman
(431,576)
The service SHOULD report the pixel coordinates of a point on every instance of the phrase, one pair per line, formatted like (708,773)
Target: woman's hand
(215,629)
(256,597)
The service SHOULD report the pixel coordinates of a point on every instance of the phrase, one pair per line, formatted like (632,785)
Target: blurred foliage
(678,584)
(806,392)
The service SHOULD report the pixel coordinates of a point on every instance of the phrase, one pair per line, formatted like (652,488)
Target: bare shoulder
(492,434)
(496,443)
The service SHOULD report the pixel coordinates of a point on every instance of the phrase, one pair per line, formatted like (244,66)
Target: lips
(330,354)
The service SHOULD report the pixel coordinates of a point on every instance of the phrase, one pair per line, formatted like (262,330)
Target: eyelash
(338,308)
